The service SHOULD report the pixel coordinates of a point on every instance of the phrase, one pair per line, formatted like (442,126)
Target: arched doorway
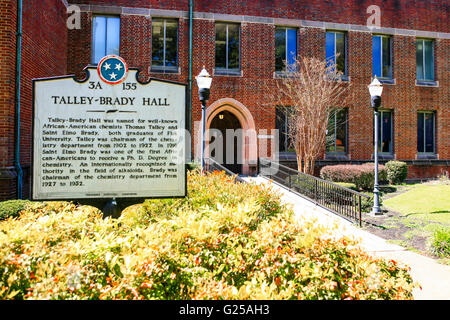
(228,140)
(246,123)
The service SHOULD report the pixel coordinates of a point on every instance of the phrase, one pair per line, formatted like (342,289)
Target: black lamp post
(375,89)
(204,81)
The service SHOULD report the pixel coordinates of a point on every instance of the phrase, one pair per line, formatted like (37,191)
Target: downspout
(191,21)
(18,96)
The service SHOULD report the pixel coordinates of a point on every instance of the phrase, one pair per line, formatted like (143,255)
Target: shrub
(397,171)
(366,203)
(12,208)
(362,176)
(224,241)
(440,243)
(191,166)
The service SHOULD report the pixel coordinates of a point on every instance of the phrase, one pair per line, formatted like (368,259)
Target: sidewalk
(432,276)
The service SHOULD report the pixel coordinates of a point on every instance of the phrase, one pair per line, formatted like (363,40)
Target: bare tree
(312,89)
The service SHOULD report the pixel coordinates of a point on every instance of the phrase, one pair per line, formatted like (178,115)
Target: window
(426,132)
(165,45)
(425,60)
(336,139)
(381,57)
(285,48)
(105,37)
(385,132)
(227,47)
(335,48)
(282,125)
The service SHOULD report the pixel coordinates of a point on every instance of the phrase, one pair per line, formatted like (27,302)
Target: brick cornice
(262,20)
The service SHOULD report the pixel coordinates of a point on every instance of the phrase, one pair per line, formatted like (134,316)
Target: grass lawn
(417,217)
(425,202)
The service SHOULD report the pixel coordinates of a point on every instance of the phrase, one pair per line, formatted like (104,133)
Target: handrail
(211,165)
(313,177)
(338,199)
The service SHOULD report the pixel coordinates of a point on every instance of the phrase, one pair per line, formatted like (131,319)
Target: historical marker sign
(109,136)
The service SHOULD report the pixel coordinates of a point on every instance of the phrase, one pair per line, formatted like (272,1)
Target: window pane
(385,132)
(280,48)
(429,72)
(171,43)
(99,36)
(221,47)
(340,52)
(233,46)
(420,132)
(329,48)
(429,132)
(291,47)
(376,56)
(419,60)
(113,36)
(280,125)
(386,57)
(157,43)
(341,131)
(330,137)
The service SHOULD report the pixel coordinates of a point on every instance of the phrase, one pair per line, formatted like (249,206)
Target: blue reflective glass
(376,56)
(291,46)
(98,41)
(330,48)
(112,36)
(106,37)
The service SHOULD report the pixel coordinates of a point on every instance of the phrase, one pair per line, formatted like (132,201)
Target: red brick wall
(51,49)
(427,172)
(418,14)
(44,54)
(7,83)
(257,60)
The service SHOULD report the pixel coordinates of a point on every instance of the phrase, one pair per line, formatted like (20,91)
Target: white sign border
(88,69)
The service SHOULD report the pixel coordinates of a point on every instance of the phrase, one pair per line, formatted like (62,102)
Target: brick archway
(250,152)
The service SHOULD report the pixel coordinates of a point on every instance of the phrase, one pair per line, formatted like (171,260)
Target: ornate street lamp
(204,82)
(375,89)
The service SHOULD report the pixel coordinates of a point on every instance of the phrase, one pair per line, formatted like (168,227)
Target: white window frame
(423,59)
(422,113)
(345,49)
(286,44)
(226,69)
(164,67)
(106,35)
(390,76)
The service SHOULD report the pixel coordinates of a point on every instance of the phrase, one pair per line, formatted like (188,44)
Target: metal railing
(212,165)
(338,199)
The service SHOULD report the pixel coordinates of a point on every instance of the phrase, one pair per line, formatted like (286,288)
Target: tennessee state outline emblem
(112,69)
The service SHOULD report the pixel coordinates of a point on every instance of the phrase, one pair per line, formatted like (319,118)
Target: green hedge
(11,208)
(363,175)
(397,171)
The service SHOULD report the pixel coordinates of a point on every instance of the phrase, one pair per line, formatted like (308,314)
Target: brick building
(241,44)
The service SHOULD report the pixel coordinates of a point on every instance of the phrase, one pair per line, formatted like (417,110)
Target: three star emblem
(112,69)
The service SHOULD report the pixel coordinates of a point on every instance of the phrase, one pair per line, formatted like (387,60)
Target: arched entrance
(238,116)
(227,144)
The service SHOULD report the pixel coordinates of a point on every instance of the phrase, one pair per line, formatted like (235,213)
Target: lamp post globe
(204,82)
(375,90)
